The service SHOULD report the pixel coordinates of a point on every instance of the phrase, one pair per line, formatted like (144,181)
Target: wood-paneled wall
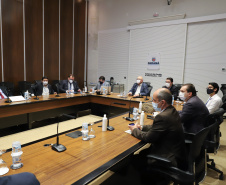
(42,37)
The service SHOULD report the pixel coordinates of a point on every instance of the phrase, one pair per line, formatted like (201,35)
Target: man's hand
(129,93)
(137,125)
(135,95)
(79,90)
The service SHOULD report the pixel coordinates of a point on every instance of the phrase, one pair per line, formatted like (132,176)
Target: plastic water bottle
(16,155)
(172,99)
(104,123)
(26,95)
(142,118)
(85,89)
(85,132)
(135,114)
(140,106)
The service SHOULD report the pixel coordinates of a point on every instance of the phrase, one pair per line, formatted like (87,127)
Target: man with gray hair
(165,135)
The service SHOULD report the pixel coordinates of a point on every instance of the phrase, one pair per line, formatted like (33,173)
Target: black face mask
(209,91)
(101,82)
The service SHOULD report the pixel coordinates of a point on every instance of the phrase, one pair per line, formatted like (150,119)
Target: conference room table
(83,161)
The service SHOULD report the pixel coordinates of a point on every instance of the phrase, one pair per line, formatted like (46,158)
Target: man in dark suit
(19,179)
(43,88)
(173,89)
(69,85)
(194,112)
(165,135)
(139,88)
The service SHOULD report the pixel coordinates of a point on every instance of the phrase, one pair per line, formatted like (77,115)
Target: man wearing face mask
(139,88)
(214,102)
(194,112)
(69,85)
(173,89)
(165,135)
(43,88)
(100,83)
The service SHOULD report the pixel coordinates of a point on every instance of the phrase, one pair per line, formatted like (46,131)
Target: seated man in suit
(194,112)
(69,85)
(165,135)
(139,88)
(100,83)
(3,92)
(19,179)
(173,89)
(43,88)
(214,102)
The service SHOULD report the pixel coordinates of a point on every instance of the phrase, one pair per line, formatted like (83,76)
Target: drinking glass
(3,167)
(92,132)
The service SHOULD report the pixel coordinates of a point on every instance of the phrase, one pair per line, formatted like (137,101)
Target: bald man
(165,135)
(139,88)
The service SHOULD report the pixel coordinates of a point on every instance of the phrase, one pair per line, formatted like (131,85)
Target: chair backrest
(24,86)
(223,88)
(149,87)
(9,86)
(38,81)
(54,84)
(178,86)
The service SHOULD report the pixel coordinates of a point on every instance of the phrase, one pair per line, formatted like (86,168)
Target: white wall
(108,15)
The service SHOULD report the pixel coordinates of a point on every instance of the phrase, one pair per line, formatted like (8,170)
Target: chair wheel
(213,164)
(221,176)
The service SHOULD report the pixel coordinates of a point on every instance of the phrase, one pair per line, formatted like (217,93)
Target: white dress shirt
(138,89)
(45,90)
(213,103)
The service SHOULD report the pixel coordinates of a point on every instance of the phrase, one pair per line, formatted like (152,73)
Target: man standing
(214,102)
(43,88)
(165,135)
(139,88)
(173,89)
(194,112)
(69,85)
(100,83)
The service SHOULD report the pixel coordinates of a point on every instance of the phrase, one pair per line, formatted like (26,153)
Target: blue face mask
(155,106)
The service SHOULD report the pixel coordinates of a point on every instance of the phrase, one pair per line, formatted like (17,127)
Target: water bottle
(16,155)
(85,132)
(104,123)
(135,114)
(26,95)
(140,106)
(172,99)
(142,118)
(85,89)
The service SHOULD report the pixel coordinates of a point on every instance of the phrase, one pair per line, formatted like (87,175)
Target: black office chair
(195,151)
(223,88)
(54,84)
(212,142)
(224,98)
(178,86)
(9,86)
(24,86)
(38,81)
(149,88)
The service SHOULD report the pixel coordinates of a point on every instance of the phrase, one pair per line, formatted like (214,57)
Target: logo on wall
(153,61)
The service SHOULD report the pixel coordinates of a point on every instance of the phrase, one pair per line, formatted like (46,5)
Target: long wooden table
(25,108)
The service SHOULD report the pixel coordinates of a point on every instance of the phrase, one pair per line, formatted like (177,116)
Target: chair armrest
(160,160)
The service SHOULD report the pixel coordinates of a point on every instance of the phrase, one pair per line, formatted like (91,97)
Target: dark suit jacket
(64,86)
(38,88)
(143,91)
(165,135)
(193,115)
(174,91)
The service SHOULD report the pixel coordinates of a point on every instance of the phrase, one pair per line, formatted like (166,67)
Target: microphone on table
(8,100)
(110,128)
(58,147)
(35,93)
(129,118)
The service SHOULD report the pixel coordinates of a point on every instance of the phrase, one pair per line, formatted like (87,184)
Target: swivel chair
(212,142)
(178,86)
(9,86)
(24,86)
(195,150)
(223,88)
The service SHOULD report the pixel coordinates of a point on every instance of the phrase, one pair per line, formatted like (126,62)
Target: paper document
(16,98)
(128,131)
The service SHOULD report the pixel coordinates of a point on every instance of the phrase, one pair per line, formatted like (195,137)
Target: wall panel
(12,27)
(33,40)
(66,38)
(79,49)
(51,39)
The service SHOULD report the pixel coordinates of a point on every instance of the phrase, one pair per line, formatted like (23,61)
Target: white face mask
(70,81)
(167,84)
(45,83)
(138,81)
(181,96)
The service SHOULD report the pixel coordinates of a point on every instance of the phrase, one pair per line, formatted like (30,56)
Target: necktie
(2,97)
(70,86)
